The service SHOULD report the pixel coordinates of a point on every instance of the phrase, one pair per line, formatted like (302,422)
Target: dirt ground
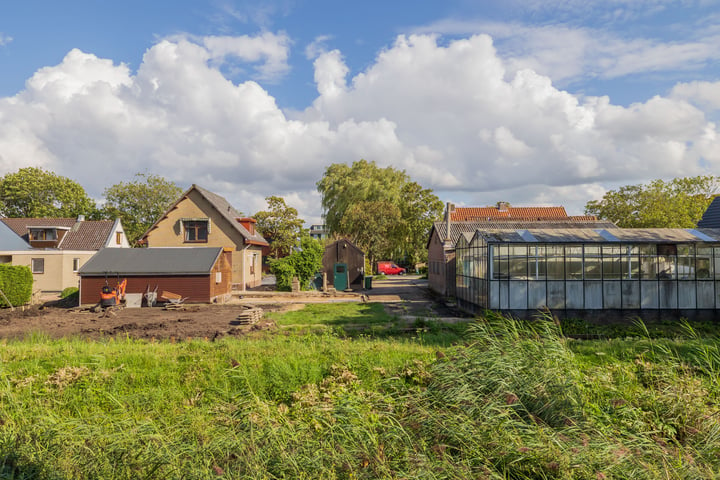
(402,296)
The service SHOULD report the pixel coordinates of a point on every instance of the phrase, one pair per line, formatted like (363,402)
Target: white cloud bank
(452,116)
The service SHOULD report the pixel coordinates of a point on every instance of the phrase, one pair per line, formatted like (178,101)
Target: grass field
(319,398)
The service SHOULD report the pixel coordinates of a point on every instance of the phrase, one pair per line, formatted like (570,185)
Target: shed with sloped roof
(201,274)
(344,251)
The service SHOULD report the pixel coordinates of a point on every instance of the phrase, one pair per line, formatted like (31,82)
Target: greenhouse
(589,269)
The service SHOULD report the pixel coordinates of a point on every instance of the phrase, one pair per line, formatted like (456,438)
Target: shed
(344,251)
(202,274)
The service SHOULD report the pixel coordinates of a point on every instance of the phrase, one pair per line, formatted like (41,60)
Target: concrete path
(408,297)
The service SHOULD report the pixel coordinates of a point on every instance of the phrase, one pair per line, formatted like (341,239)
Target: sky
(534,102)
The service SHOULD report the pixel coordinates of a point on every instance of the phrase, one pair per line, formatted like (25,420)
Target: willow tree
(380,209)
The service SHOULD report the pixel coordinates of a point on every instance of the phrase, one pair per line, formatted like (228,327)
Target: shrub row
(16,282)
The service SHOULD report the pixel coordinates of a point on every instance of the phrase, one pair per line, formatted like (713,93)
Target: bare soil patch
(195,321)
(405,296)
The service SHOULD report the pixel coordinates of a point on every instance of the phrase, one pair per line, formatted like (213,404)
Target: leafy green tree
(34,192)
(280,226)
(419,208)
(678,203)
(302,264)
(380,209)
(373,226)
(140,203)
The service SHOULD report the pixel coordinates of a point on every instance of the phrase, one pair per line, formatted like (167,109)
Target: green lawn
(508,400)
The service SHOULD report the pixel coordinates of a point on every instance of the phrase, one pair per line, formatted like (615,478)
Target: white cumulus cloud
(456,116)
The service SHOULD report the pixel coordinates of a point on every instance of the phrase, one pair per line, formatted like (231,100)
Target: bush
(68,291)
(16,282)
(303,264)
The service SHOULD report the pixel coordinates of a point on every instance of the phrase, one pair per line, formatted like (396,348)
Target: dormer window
(43,234)
(196,230)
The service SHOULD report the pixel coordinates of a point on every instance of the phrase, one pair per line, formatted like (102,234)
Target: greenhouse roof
(590,235)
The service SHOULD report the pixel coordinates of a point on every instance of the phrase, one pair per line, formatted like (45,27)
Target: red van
(389,268)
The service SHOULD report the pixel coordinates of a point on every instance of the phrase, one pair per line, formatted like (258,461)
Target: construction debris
(249,315)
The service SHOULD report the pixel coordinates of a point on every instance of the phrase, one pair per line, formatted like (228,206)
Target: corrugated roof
(10,241)
(594,235)
(84,235)
(465,214)
(152,261)
(711,217)
(456,228)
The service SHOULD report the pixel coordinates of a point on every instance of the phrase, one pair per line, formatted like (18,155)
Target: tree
(140,203)
(373,226)
(303,264)
(419,209)
(34,192)
(380,209)
(679,203)
(280,226)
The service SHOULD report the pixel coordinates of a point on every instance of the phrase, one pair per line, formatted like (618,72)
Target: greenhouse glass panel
(518,262)
(592,265)
(648,262)
(686,262)
(612,262)
(630,262)
(536,262)
(555,258)
(704,263)
(574,262)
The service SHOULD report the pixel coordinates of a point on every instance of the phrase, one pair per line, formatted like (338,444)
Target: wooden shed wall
(196,287)
(342,251)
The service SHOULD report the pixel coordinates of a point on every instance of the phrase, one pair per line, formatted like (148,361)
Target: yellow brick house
(202,218)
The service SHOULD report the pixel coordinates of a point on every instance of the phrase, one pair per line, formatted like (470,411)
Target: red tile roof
(85,235)
(466,214)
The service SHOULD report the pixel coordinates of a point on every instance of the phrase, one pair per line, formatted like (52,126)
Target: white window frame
(33,265)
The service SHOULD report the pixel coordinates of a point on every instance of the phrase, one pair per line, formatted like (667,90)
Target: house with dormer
(56,248)
(201,218)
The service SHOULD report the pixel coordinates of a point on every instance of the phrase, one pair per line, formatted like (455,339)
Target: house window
(43,234)
(118,238)
(38,265)
(253,259)
(196,231)
(76,264)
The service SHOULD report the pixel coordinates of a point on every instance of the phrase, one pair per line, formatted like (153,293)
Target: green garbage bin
(368,282)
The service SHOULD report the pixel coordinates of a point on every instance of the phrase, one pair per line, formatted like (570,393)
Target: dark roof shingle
(83,235)
(152,261)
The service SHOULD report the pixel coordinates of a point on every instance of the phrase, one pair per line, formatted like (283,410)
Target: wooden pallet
(249,315)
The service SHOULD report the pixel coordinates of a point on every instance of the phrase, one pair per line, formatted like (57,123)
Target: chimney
(503,206)
(81,218)
(448,211)
(248,223)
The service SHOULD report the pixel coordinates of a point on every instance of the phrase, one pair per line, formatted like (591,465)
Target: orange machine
(111,296)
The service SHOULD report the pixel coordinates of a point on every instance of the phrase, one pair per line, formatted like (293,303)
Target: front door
(340,281)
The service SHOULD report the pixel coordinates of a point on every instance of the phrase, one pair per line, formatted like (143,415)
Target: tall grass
(516,400)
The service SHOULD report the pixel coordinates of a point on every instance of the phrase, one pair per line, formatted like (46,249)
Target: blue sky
(532,102)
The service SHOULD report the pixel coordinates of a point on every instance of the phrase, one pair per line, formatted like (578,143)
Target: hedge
(16,282)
